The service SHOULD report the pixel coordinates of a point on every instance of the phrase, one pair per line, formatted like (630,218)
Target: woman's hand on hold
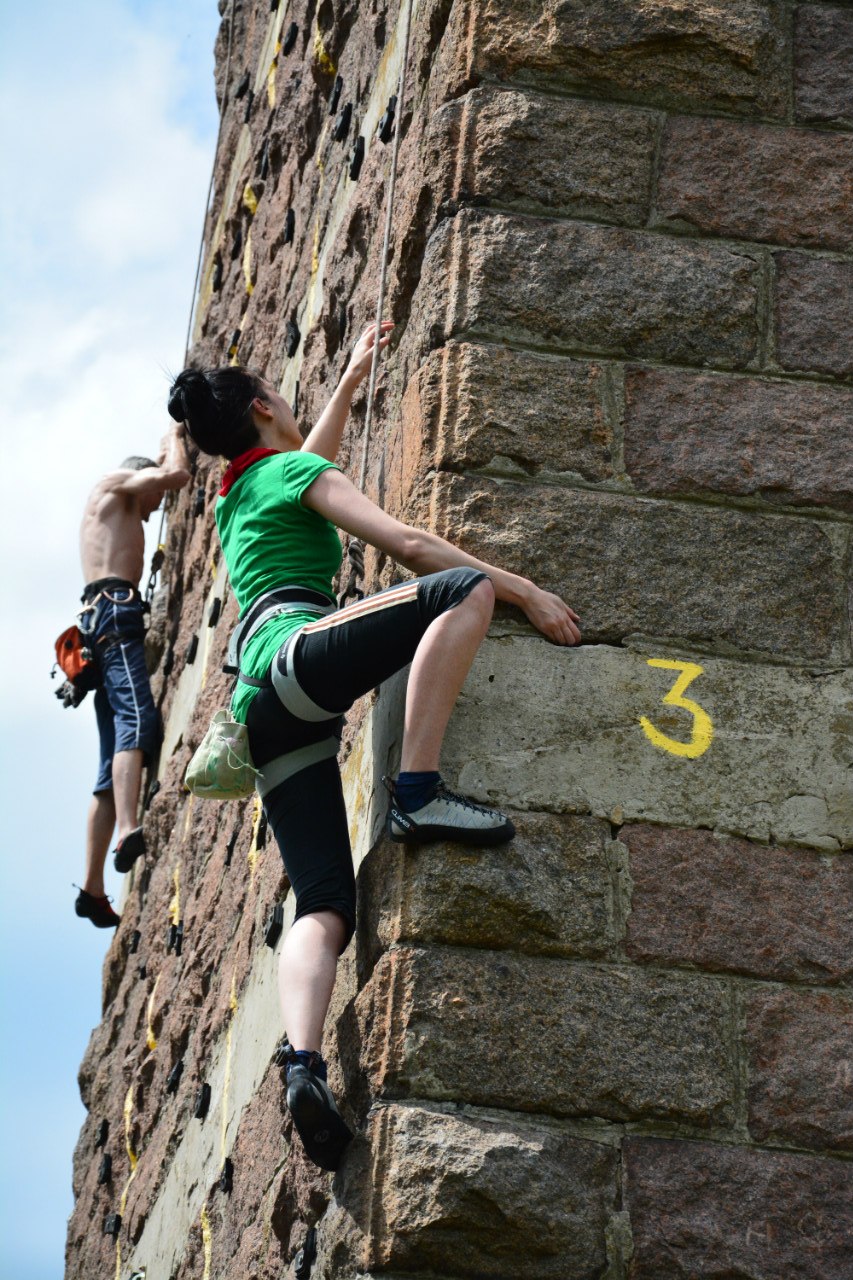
(552,616)
(362,356)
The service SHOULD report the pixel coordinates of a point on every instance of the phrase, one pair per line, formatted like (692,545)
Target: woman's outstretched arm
(325,438)
(336,498)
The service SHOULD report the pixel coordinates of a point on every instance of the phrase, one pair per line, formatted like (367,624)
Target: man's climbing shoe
(315,1115)
(128,850)
(447,816)
(98,910)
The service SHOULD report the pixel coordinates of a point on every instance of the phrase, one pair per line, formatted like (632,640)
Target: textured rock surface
(733,906)
(704,1211)
(823,69)
(584,749)
(747,181)
(714,577)
(609,1041)
(801,1068)
(781,441)
(814,313)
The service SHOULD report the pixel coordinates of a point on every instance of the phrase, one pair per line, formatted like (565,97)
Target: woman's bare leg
(306,975)
(439,668)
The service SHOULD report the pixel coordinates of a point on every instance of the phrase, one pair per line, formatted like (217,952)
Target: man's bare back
(112,540)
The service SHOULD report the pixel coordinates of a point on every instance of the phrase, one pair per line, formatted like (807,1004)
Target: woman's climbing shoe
(315,1115)
(98,910)
(447,816)
(128,850)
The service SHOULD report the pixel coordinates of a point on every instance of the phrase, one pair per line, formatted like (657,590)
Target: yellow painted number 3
(703,728)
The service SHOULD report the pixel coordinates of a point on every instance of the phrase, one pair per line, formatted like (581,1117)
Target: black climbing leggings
(295,726)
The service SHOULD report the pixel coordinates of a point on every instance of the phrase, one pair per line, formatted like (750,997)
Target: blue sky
(109,126)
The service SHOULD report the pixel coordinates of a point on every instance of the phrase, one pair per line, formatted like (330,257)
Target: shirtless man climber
(112,549)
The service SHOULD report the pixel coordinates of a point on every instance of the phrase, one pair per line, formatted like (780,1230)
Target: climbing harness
(292,599)
(355,547)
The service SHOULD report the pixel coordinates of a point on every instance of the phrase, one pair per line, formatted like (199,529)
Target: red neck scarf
(240,464)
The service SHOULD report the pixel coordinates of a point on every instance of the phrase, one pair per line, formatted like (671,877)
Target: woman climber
(302,664)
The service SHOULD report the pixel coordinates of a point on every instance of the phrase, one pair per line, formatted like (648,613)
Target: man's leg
(99,833)
(127,784)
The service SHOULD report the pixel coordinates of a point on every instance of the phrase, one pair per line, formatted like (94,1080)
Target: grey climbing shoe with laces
(447,816)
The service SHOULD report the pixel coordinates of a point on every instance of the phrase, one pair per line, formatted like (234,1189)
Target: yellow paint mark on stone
(252,856)
(321,57)
(206,1241)
(232,1005)
(271,75)
(175,904)
(150,1038)
(315,250)
(132,1157)
(250,200)
(247,265)
(703,729)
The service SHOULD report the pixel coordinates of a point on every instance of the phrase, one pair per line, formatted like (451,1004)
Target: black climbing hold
(202,1102)
(215,610)
(112,1224)
(198,505)
(226,1177)
(143,972)
(230,847)
(234,343)
(356,158)
(305,1257)
(175,940)
(105,1173)
(192,650)
(335,96)
(273,6)
(295,405)
(155,785)
(237,246)
(264,162)
(291,338)
(275,924)
(216,278)
(169,663)
(386,124)
(135,939)
(173,1079)
(342,122)
(250,99)
(102,1134)
(289,226)
(179,939)
(342,321)
(243,87)
(261,834)
(290,39)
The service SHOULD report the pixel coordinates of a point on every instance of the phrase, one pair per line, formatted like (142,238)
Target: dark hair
(136,463)
(216,405)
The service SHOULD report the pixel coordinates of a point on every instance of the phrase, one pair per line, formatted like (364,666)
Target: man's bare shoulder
(109,485)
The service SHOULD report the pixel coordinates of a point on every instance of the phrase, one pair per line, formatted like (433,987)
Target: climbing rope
(355,547)
(159,556)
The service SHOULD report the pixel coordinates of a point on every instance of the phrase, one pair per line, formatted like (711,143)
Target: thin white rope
(386,243)
(225,104)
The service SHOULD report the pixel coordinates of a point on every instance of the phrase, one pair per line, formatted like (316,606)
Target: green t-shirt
(269,539)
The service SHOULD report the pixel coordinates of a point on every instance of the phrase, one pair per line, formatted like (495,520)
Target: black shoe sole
(131,848)
(85,914)
(483,837)
(321,1128)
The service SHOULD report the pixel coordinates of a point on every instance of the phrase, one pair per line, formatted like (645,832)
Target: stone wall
(620,1047)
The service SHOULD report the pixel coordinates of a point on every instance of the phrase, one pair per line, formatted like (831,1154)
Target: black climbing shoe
(315,1114)
(98,910)
(448,816)
(128,850)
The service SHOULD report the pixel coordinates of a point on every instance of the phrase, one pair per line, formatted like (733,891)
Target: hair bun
(190,392)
